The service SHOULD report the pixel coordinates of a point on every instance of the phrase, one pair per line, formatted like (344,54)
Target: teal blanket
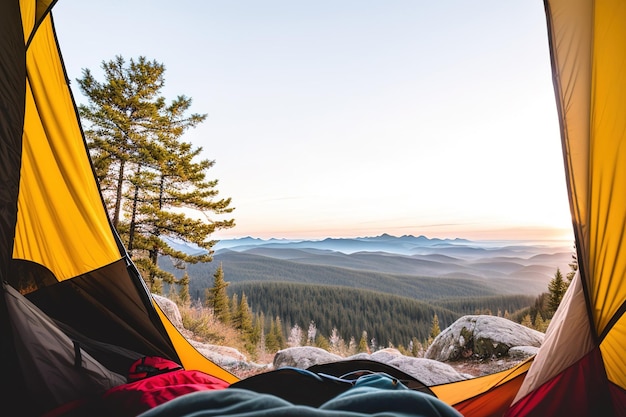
(375,395)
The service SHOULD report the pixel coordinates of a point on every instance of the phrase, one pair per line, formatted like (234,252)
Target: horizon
(558,239)
(350,118)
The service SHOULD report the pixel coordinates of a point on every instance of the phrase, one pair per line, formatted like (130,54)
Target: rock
(221,354)
(385,355)
(522,352)
(362,355)
(303,357)
(170,309)
(428,371)
(481,337)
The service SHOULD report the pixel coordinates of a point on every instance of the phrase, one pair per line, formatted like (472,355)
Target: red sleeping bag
(153,381)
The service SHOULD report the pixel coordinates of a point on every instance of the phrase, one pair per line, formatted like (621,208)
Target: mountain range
(413,266)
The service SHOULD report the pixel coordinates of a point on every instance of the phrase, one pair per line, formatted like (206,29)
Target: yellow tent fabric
(588,50)
(488,395)
(57,246)
(61,221)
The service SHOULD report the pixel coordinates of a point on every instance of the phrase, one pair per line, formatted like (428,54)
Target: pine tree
(234,306)
(257,327)
(540,324)
(143,168)
(156,286)
(275,340)
(217,297)
(363,348)
(573,268)
(417,349)
(434,328)
(556,289)
(271,342)
(257,337)
(322,343)
(244,316)
(183,293)
(278,330)
(122,113)
(526,321)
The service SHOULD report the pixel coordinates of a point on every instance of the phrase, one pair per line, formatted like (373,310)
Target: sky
(347,118)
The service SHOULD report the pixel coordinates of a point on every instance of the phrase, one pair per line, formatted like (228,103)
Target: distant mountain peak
(405,244)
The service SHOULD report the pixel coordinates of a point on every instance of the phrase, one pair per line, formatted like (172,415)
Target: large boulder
(170,309)
(428,371)
(222,355)
(303,357)
(481,337)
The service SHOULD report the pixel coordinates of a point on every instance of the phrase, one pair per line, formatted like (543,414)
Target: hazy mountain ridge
(246,267)
(383,243)
(411,266)
(417,256)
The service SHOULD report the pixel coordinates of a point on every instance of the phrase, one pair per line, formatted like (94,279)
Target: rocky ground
(472,346)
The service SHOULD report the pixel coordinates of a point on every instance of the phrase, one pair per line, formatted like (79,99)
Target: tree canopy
(152,181)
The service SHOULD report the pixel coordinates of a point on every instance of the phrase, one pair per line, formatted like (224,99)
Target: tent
(57,245)
(58,248)
(580,369)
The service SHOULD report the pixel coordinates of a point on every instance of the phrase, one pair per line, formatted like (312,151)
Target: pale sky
(354,118)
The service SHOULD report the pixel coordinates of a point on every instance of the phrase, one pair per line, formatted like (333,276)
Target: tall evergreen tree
(122,114)
(217,297)
(278,331)
(244,316)
(573,268)
(144,170)
(556,290)
(271,340)
(417,349)
(157,286)
(322,343)
(183,292)
(176,182)
(434,328)
(363,347)
(256,339)
(234,306)
(540,323)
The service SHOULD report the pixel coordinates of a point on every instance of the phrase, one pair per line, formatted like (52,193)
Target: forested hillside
(393,296)
(246,267)
(386,318)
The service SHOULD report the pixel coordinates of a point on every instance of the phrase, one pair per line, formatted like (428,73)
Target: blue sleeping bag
(370,395)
